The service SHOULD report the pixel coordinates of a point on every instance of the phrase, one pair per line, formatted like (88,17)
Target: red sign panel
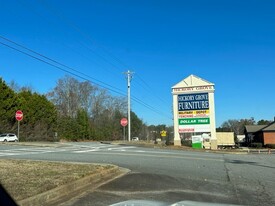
(19,115)
(123,122)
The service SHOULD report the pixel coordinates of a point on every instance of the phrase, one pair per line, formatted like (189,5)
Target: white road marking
(85,151)
(120,148)
(103,148)
(22,153)
(141,151)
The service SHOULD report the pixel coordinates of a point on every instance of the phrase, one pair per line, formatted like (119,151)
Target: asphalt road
(166,176)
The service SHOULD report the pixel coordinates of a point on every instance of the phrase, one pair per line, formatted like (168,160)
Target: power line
(74,28)
(134,98)
(150,107)
(149,90)
(72,73)
(50,59)
(85,35)
(60,68)
(59,14)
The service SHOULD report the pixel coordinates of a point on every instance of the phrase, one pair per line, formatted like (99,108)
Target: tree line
(72,110)
(40,115)
(75,110)
(238,125)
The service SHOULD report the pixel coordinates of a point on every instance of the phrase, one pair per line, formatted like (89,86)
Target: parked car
(8,137)
(135,139)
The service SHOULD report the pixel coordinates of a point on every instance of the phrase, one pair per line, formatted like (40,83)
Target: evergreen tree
(39,116)
(8,107)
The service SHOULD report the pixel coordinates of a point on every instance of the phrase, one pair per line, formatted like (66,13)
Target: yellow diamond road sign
(163,133)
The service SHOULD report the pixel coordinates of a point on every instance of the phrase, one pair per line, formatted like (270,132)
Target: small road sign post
(18,117)
(124,123)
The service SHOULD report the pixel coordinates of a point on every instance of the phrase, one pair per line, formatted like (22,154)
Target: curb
(56,195)
(37,144)
(244,152)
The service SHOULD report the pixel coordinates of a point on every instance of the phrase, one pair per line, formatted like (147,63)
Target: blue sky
(230,43)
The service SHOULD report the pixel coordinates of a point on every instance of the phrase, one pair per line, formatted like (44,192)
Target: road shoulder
(70,190)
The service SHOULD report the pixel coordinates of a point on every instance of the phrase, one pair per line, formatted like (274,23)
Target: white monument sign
(193,108)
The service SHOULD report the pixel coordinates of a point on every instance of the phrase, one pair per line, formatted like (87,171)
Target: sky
(230,43)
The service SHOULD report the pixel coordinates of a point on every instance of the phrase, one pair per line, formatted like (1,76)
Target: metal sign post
(123,123)
(123,133)
(18,117)
(18,129)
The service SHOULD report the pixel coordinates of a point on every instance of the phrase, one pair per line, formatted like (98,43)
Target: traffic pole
(18,129)
(129,78)
(129,106)
(123,133)
(18,117)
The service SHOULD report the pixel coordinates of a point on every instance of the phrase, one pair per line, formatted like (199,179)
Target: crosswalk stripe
(73,149)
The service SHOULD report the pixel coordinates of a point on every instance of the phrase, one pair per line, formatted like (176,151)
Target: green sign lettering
(191,121)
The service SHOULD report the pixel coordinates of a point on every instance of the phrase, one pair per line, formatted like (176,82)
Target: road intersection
(163,175)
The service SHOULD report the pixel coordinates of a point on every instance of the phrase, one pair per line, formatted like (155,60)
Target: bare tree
(237,126)
(88,106)
(70,95)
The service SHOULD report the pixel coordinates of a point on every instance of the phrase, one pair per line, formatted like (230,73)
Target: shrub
(257,145)
(271,146)
(187,143)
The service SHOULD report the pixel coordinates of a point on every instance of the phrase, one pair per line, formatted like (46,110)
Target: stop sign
(123,122)
(19,115)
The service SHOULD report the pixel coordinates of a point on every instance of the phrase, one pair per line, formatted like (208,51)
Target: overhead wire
(151,108)
(88,37)
(151,95)
(94,42)
(62,69)
(107,86)
(25,4)
(149,89)
(85,35)
(61,64)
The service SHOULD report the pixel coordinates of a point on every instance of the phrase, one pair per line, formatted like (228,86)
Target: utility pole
(129,75)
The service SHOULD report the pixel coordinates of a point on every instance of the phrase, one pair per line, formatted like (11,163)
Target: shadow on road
(163,188)
(248,163)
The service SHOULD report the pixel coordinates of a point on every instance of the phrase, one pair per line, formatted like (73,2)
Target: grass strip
(25,178)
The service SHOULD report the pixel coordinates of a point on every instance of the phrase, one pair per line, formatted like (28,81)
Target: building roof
(257,128)
(191,81)
(270,127)
(254,128)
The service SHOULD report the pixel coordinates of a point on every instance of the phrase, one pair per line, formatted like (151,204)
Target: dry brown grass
(24,178)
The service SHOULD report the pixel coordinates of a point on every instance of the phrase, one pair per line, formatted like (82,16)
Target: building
(264,134)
